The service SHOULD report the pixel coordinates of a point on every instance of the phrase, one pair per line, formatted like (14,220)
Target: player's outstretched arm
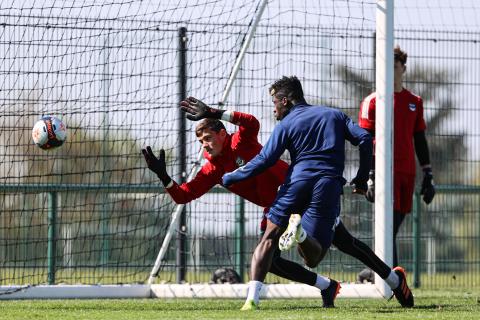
(198,110)
(269,155)
(157,165)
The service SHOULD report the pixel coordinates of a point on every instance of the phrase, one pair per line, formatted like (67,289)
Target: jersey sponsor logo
(412,106)
(240,162)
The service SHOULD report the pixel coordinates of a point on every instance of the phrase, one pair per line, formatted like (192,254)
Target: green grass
(439,304)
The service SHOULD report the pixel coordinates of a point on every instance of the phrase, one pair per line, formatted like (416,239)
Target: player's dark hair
(400,55)
(289,87)
(209,123)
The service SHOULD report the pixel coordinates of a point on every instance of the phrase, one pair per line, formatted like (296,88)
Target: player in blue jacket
(315,137)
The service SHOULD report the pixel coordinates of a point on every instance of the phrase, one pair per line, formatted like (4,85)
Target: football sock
(292,271)
(392,280)
(254,288)
(322,282)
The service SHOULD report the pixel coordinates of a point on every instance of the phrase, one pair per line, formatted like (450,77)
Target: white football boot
(293,234)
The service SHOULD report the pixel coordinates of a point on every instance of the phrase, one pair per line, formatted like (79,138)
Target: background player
(409,135)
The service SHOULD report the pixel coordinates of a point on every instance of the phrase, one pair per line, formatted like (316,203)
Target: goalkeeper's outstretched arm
(198,110)
(205,179)
(157,165)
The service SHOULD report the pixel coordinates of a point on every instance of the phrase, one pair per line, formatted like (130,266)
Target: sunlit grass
(438,304)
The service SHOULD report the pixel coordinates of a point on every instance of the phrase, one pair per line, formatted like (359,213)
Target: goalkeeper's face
(212,142)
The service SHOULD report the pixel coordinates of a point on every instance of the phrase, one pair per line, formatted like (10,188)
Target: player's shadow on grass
(289,307)
(436,306)
(420,307)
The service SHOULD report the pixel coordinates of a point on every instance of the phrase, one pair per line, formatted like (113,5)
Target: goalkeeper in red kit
(227,152)
(409,138)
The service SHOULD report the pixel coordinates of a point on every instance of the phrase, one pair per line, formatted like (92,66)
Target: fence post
(181,256)
(416,239)
(105,215)
(240,237)
(52,236)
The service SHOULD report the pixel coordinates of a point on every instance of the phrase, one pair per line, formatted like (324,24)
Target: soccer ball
(49,133)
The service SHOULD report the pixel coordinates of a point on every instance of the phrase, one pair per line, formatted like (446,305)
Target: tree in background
(101,227)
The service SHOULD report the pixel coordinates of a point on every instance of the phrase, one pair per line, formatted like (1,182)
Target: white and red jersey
(238,149)
(408,119)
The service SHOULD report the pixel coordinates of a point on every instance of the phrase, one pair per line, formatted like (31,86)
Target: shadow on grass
(436,306)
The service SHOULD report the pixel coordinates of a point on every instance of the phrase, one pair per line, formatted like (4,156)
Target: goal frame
(383,205)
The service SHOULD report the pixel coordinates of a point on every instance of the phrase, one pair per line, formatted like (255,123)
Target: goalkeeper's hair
(209,123)
(400,55)
(288,87)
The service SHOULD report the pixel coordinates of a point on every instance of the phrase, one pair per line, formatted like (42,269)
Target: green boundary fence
(419,219)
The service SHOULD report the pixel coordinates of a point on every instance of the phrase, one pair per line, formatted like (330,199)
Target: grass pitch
(439,304)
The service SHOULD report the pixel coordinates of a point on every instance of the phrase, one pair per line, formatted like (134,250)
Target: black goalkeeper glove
(428,188)
(157,165)
(359,185)
(370,194)
(197,110)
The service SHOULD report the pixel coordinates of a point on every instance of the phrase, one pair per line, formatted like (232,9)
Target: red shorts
(403,188)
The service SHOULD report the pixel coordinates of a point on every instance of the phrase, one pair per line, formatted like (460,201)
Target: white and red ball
(49,133)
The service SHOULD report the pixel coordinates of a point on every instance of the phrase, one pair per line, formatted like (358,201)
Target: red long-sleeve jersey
(239,148)
(408,119)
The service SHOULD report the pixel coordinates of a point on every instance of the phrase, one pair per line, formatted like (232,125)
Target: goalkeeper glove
(370,194)
(428,188)
(157,165)
(359,185)
(197,110)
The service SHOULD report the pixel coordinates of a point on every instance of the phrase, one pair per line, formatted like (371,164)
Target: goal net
(91,212)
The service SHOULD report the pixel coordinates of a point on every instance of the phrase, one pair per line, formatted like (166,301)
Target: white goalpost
(383,142)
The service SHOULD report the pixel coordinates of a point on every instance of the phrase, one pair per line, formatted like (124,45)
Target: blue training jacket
(315,137)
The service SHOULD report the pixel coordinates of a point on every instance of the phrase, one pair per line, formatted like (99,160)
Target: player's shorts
(403,188)
(318,199)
